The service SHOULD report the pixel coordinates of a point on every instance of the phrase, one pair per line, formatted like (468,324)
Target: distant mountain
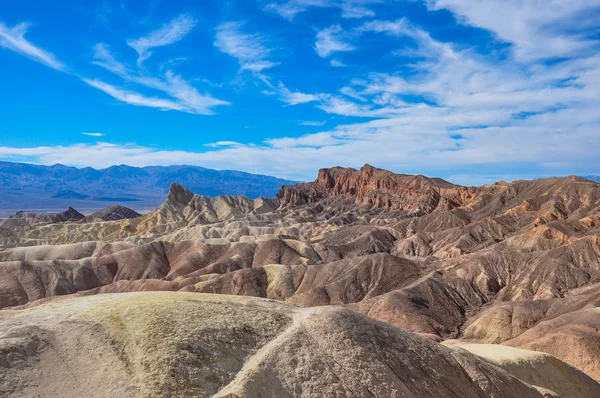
(593,178)
(51,188)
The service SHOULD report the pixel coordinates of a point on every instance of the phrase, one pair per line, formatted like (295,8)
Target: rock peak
(368,169)
(70,215)
(179,195)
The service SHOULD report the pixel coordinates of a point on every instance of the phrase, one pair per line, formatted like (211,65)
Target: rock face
(381,188)
(193,345)
(516,264)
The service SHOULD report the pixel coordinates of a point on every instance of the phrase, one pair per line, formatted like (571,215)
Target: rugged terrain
(493,272)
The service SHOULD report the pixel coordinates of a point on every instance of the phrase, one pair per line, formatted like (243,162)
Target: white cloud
(224,144)
(350,8)
(169,33)
(312,123)
(352,93)
(343,107)
(354,11)
(94,134)
(293,97)
(13,39)
(337,64)
(133,98)
(318,140)
(249,49)
(538,29)
(332,40)
(186,98)
(427,46)
(105,59)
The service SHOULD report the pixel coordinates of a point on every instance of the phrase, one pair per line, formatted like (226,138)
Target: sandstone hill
(192,345)
(515,264)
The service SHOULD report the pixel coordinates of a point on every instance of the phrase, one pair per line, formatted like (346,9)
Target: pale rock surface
(193,345)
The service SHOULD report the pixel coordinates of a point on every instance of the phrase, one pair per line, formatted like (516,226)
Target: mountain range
(52,188)
(360,283)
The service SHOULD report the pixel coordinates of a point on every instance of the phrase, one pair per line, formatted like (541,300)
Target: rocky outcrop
(379,188)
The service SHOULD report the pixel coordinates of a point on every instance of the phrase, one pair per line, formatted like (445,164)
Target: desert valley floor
(363,283)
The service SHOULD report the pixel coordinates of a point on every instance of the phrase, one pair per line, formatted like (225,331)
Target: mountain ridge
(32,187)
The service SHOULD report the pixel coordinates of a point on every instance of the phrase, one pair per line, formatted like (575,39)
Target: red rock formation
(380,188)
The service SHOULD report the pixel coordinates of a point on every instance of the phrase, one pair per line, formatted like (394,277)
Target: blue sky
(469,90)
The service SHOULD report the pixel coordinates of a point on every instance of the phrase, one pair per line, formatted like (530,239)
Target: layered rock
(380,188)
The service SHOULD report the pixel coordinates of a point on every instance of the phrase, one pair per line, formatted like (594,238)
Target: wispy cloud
(220,144)
(427,47)
(312,123)
(94,134)
(185,97)
(337,63)
(134,98)
(249,49)
(169,33)
(105,59)
(293,97)
(331,40)
(354,10)
(349,8)
(13,39)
